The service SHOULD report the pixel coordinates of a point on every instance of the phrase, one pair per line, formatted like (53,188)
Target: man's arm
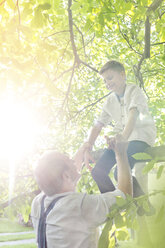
(123,168)
(132,117)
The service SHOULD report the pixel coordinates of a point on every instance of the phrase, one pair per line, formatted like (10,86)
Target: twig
(62,57)
(69,87)
(82,37)
(89,66)
(91,105)
(126,38)
(59,32)
(159,43)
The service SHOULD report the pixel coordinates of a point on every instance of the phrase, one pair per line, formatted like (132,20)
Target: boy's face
(114,80)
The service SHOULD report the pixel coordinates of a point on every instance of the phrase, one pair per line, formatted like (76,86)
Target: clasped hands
(117,143)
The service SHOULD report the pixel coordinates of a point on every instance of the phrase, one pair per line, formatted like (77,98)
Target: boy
(73,220)
(127,107)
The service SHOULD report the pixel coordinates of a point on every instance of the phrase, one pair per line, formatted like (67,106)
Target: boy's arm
(132,117)
(123,168)
(91,140)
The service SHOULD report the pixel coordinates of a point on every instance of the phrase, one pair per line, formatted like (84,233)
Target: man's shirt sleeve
(95,208)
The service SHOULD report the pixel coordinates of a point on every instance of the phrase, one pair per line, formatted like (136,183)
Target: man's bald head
(50,170)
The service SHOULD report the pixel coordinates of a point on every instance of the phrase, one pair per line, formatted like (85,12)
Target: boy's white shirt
(117,109)
(74,219)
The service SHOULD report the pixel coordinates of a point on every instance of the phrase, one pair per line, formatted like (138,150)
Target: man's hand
(120,145)
(87,158)
(123,167)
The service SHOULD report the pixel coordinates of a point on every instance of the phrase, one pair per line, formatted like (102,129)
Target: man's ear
(123,74)
(66,175)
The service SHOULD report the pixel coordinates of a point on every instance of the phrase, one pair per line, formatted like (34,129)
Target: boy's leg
(101,170)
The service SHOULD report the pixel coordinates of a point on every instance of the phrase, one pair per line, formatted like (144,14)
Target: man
(73,220)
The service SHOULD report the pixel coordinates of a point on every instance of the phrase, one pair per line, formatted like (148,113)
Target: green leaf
(148,167)
(122,234)
(120,201)
(119,221)
(76,6)
(101,18)
(160,215)
(159,172)
(141,156)
(11,4)
(44,6)
(38,19)
(104,237)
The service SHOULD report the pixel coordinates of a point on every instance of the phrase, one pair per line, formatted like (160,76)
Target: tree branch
(90,105)
(2,2)
(154,5)
(64,31)
(69,87)
(71,32)
(82,37)
(159,43)
(8,203)
(89,66)
(147,38)
(126,38)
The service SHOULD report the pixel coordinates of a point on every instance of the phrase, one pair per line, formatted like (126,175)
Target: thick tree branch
(77,59)
(154,5)
(2,2)
(147,38)
(157,153)
(71,32)
(8,203)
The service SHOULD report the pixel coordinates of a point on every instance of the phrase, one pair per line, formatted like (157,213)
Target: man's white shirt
(73,221)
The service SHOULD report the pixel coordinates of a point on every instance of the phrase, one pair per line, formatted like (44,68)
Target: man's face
(73,174)
(114,80)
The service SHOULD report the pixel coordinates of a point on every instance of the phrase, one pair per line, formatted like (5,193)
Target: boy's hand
(79,156)
(83,155)
(110,142)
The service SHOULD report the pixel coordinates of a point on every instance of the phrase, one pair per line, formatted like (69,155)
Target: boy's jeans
(108,160)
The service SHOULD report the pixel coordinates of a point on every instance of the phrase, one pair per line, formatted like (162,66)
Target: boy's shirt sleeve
(138,100)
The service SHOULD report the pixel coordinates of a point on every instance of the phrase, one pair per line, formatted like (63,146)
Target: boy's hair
(112,65)
(49,171)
